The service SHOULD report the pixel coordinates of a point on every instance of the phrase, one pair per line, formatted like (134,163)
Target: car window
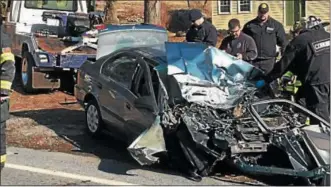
(120,69)
(64,5)
(143,89)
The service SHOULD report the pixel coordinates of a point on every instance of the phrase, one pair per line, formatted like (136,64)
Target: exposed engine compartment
(244,137)
(196,130)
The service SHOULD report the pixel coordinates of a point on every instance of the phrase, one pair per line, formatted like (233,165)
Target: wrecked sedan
(196,106)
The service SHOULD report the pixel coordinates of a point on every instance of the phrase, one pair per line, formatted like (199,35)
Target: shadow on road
(70,126)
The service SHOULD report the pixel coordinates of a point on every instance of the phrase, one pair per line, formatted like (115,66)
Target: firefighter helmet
(312,22)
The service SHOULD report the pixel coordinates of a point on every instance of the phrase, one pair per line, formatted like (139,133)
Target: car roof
(122,27)
(157,55)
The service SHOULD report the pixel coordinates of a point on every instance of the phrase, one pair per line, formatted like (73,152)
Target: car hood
(208,76)
(115,37)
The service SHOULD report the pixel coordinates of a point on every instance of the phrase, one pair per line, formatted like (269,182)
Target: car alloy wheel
(92,117)
(24,71)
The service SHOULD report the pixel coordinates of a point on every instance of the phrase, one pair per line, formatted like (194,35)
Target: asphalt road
(36,167)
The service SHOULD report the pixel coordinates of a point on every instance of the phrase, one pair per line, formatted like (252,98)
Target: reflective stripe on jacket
(7,57)
(7,74)
(3,158)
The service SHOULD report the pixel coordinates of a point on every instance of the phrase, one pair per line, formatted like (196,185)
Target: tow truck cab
(47,36)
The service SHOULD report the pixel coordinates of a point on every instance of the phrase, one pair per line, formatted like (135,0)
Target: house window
(244,6)
(224,6)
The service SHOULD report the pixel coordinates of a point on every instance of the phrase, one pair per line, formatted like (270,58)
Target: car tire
(26,72)
(93,120)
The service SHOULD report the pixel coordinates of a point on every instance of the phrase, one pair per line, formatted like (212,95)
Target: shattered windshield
(61,5)
(117,39)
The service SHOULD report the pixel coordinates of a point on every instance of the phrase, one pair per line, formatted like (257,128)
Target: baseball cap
(195,14)
(263,8)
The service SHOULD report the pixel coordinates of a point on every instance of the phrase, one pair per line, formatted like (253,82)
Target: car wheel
(94,123)
(26,72)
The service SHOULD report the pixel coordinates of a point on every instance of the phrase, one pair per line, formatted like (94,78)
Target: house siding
(318,8)
(221,20)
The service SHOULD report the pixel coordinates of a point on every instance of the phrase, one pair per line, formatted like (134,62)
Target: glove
(260,83)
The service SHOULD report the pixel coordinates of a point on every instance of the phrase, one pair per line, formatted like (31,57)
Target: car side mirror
(145,102)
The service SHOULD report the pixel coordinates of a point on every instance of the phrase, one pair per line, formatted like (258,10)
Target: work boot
(193,175)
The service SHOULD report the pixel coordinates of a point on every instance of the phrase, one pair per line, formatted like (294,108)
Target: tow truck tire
(93,120)
(26,72)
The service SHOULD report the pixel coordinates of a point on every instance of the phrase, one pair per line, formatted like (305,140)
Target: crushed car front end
(212,114)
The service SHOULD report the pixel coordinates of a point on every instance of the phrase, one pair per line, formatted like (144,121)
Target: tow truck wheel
(94,123)
(26,72)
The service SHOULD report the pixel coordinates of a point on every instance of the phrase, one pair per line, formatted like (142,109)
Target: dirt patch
(24,129)
(56,99)
(24,132)
(20,101)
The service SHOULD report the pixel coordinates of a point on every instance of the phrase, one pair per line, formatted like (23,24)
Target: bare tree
(110,12)
(152,11)
(189,5)
(205,3)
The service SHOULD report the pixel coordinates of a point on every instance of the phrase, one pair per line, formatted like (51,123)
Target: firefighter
(308,57)
(7,65)
(238,43)
(201,30)
(267,34)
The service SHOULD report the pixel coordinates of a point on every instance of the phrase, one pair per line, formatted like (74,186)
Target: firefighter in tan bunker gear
(7,73)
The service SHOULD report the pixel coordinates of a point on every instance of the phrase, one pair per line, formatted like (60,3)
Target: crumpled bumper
(148,143)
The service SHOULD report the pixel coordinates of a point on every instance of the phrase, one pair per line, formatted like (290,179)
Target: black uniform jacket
(308,57)
(266,36)
(205,33)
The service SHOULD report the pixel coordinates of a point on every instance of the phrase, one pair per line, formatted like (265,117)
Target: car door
(115,81)
(143,108)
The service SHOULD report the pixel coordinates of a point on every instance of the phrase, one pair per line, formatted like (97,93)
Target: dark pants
(316,98)
(4,116)
(266,65)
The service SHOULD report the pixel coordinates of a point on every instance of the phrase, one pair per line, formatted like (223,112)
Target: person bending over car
(238,43)
(308,57)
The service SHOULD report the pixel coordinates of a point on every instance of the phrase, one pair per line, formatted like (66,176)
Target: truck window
(62,5)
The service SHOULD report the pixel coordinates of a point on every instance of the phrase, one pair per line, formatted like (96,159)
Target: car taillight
(100,27)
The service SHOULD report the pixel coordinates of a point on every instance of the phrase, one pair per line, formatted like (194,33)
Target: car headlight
(43,58)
